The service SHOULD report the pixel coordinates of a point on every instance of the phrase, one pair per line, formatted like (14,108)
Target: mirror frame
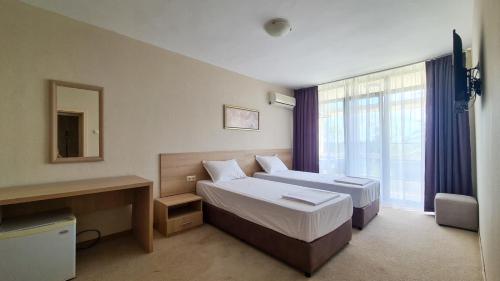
(53,122)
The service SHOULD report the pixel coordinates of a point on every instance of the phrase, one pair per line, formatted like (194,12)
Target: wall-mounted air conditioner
(281,100)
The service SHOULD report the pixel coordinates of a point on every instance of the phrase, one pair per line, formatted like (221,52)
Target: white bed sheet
(260,201)
(361,195)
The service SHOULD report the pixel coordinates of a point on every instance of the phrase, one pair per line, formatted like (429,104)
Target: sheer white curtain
(373,126)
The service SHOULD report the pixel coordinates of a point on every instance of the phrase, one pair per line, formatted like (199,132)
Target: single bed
(302,235)
(365,198)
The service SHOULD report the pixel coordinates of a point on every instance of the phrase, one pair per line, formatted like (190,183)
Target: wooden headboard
(175,167)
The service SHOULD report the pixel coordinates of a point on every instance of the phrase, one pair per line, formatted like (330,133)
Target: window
(374,126)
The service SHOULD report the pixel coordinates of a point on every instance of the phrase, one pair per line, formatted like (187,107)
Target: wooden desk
(85,196)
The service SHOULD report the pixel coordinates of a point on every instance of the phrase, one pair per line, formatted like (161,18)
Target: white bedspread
(361,195)
(260,201)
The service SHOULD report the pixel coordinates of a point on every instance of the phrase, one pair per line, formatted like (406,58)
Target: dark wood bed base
(306,257)
(362,216)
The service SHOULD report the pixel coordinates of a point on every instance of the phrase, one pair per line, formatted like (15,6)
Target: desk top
(36,192)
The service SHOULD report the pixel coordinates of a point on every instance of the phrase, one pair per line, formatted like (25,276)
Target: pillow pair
(230,170)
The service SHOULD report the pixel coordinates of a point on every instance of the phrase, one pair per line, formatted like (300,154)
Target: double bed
(365,197)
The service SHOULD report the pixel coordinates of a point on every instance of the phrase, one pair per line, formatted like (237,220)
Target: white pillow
(223,170)
(271,164)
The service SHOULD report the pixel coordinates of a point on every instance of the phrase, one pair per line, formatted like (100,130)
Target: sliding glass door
(373,126)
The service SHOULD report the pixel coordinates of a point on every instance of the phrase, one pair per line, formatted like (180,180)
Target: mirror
(76,115)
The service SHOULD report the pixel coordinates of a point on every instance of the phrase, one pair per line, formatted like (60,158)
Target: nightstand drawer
(184,222)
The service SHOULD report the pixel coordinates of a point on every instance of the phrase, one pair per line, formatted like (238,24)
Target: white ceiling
(330,39)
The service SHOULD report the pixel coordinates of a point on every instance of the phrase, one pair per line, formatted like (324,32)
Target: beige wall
(154,101)
(486,50)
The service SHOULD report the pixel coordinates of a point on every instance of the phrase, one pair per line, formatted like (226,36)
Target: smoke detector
(278,27)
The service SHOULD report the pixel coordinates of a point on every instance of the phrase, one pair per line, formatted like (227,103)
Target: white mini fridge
(41,247)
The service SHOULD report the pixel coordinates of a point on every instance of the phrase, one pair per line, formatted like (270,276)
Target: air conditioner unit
(281,100)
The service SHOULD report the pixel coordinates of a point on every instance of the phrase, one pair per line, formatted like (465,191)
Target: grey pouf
(456,210)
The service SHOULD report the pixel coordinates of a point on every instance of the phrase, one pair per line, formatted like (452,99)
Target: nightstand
(177,213)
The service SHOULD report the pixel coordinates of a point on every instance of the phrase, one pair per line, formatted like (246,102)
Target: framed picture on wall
(240,118)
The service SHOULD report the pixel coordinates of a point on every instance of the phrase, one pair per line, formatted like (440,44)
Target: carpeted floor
(396,245)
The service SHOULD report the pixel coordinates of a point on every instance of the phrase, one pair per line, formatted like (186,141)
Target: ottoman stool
(456,210)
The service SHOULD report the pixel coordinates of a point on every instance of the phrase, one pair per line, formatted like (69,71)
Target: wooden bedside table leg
(142,217)
(160,217)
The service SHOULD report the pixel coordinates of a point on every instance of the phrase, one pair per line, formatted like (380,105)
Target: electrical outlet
(191,178)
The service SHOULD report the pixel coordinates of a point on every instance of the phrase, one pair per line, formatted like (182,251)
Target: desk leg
(142,217)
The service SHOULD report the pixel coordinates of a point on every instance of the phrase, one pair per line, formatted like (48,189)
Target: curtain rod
(387,69)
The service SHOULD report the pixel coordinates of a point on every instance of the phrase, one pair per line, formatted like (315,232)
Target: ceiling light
(278,27)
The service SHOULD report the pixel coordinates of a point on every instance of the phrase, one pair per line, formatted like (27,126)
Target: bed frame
(304,256)
(362,216)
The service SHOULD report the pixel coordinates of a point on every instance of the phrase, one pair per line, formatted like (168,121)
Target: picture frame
(241,118)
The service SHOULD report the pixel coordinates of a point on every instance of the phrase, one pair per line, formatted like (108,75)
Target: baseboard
(483,266)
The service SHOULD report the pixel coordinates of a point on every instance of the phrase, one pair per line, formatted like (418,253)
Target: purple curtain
(447,142)
(305,130)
